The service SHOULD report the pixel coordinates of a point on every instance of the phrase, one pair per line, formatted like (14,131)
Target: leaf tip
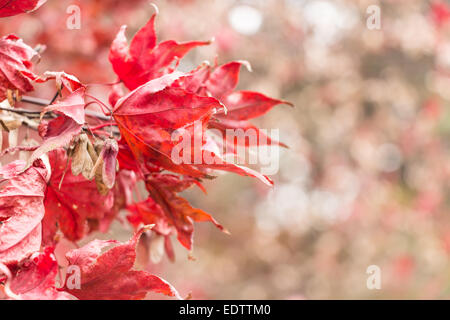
(246,64)
(290,104)
(191,256)
(283,145)
(147,227)
(155,7)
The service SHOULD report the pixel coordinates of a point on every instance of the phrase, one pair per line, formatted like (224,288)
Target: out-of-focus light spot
(389,157)
(245,19)
(325,204)
(327,20)
(443,55)
(295,2)
(290,203)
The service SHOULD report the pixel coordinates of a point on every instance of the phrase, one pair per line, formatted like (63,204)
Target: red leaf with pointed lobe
(245,105)
(149,115)
(35,280)
(21,210)
(240,170)
(149,212)
(123,196)
(15,65)
(216,161)
(71,106)
(126,158)
(162,101)
(74,205)
(144,40)
(225,78)
(195,80)
(11,169)
(170,213)
(143,59)
(59,132)
(227,124)
(110,275)
(62,80)
(240,105)
(115,94)
(14,7)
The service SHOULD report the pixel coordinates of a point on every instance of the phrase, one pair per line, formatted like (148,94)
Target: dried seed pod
(17,95)
(13,137)
(97,169)
(105,167)
(10,97)
(156,248)
(92,152)
(109,154)
(9,122)
(81,159)
(142,251)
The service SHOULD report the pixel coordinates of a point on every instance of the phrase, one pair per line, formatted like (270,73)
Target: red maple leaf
(62,80)
(143,59)
(149,115)
(15,65)
(110,275)
(240,105)
(35,204)
(123,197)
(77,206)
(170,213)
(34,279)
(21,210)
(59,132)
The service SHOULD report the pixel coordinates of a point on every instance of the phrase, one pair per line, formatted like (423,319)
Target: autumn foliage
(92,154)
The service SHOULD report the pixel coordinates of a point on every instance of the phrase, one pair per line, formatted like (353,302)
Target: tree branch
(21,111)
(45,102)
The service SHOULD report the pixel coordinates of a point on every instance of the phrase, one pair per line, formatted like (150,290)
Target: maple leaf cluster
(87,166)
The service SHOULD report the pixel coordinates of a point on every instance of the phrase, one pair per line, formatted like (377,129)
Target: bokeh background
(365,180)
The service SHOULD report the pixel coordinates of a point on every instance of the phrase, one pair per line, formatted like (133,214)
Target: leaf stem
(103,125)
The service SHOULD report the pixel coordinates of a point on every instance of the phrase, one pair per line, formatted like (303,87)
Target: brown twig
(36,101)
(21,111)
(44,102)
